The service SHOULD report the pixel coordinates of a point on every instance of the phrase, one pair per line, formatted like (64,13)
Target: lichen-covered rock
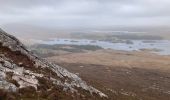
(29,70)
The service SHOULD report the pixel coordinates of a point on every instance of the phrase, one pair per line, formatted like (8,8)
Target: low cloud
(83,13)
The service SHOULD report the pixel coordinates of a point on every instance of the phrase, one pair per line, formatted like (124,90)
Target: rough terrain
(26,76)
(137,75)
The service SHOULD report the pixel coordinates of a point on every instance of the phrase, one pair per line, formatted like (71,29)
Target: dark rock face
(21,72)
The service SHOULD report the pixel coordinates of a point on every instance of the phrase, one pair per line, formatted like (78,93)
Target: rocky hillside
(25,76)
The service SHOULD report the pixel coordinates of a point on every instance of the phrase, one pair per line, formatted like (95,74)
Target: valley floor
(121,75)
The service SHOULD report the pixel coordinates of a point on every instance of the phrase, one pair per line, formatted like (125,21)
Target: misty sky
(83,13)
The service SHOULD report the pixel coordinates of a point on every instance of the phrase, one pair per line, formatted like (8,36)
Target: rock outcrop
(20,69)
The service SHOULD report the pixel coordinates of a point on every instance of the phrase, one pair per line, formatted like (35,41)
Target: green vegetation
(45,50)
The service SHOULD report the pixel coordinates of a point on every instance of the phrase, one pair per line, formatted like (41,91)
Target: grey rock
(15,45)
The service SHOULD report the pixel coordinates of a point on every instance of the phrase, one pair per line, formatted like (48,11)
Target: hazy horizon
(63,14)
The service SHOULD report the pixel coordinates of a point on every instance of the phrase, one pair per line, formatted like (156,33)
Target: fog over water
(161,47)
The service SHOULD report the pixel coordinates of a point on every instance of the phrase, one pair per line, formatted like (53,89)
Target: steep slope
(24,75)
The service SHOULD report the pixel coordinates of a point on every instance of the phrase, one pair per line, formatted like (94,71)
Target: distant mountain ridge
(24,75)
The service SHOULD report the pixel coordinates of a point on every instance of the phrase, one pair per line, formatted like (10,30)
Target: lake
(161,47)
